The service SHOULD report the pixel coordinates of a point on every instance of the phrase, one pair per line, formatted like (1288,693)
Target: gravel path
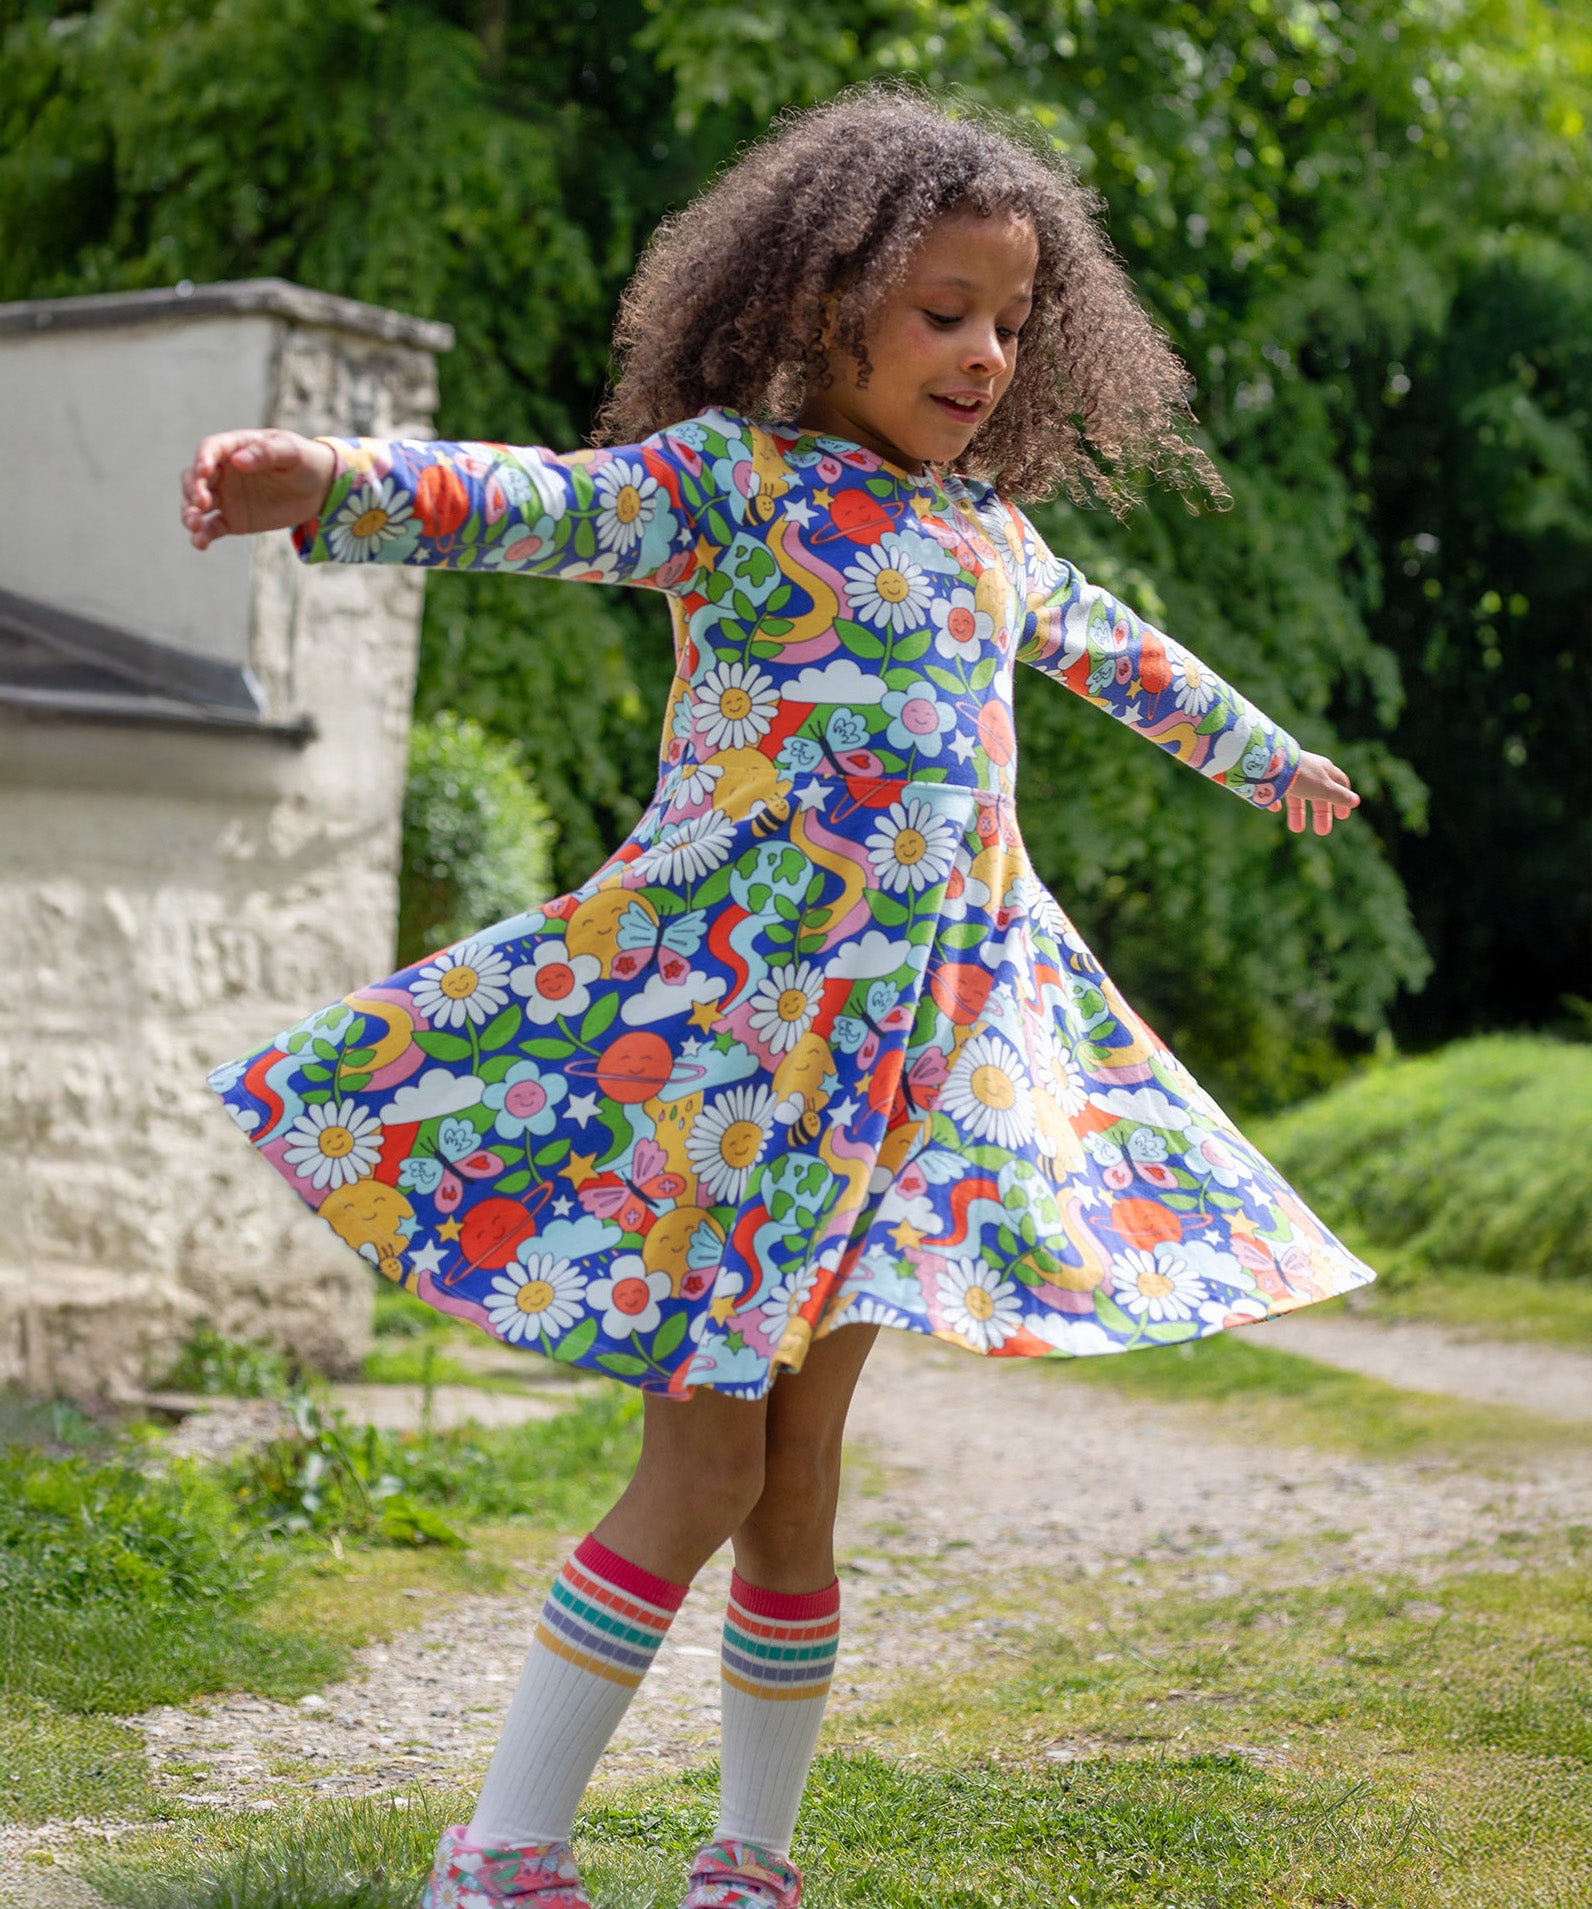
(967,1469)
(1551,1380)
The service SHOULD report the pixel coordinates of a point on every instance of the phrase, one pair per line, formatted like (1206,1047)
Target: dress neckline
(928,478)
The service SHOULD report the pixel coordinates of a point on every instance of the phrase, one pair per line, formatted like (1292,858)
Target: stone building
(201,774)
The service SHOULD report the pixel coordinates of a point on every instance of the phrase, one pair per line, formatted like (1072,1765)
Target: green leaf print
(353,1083)
(316,1097)
(668,1336)
(984,673)
(552,1153)
(1171,1332)
(585,539)
(358,1057)
(1111,1315)
(944,678)
(440,1046)
(501,1029)
(623,1365)
(598,1016)
(911,647)
(545,1048)
(513,1182)
(325,1049)
(886,909)
(576,1343)
(860,641)
(496,1068)
(312,1070)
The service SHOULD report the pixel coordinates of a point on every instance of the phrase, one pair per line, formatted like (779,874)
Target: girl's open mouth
(967,412)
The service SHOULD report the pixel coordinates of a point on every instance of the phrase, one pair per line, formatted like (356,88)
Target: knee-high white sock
(779,1657)
(601,1627)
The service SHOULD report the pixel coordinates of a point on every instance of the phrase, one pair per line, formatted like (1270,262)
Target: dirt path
(1550,1380)
(967,1467)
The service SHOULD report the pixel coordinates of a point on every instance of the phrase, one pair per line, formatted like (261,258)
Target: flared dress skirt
(814,1047)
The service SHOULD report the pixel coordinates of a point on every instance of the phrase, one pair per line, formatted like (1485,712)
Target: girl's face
(943,344)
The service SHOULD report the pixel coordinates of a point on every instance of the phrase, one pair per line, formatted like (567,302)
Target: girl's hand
(245,481)
(1325,789)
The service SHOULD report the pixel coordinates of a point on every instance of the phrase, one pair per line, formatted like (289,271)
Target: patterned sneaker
(731,1875)
(469,1875)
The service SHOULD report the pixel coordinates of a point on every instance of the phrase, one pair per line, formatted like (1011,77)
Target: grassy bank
(1469,1159)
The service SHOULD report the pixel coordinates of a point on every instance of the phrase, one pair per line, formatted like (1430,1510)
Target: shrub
(476,836)
(1472,1157)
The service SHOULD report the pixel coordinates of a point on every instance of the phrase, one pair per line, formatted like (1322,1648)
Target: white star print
(582,1107)
(845,1111)
(962,747)
(428,1260)
(561,1206)
(799,512)
(814,796)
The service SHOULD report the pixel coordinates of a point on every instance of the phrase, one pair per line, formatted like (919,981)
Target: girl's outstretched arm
(626,515)
(1087,639)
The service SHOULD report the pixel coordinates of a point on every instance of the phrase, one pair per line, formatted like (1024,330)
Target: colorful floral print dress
(814,1046)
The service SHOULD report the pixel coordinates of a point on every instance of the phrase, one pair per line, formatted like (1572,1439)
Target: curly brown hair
(742,298)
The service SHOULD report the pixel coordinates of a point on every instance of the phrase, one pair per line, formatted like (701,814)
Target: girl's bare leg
(786,1541)
(782,1628)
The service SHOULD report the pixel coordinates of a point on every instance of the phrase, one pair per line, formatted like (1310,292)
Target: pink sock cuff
(790,1607)
(594,1556)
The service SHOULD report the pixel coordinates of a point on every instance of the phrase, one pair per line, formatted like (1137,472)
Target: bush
(477,839)
(1473,1157)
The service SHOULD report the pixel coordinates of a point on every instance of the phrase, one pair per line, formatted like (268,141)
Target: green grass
(1473,1157)
(1286,1397)
(1510,1306)
(1229,1739)
(121,1590)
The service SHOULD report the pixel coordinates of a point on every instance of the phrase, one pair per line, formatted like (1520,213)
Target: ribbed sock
(779,1657)
(601,1627)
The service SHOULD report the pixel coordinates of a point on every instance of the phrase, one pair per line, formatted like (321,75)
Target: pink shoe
(733,1875)
(469,1875)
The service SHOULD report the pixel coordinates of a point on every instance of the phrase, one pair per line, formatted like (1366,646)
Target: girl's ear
(828,319)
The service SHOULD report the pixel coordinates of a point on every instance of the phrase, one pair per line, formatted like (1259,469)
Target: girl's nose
(985,353)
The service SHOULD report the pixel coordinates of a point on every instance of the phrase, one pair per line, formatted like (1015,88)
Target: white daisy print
(372,516)
(542,1294)
(335,1144)
(466,983)
(555,983)
(1190,685)
(911,848)
(987,1092)
(727,1141)
(685,851)
(627,501)
(696,783)
(1156,1286)
(887,586)
(777,1308)
(785,1003)
(979,1306)
(629,1297)
(734,704)
(960,628)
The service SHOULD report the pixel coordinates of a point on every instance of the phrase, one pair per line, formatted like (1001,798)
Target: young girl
(814,1049)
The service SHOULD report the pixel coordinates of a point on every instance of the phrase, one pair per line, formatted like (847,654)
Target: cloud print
(658,1000)
(842,681)
(436,1092)
(1146,1104)
(875,955)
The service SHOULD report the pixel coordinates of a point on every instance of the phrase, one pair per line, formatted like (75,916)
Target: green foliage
(412,1488)
(74,1532)
(475,836)
(1474,1157)
(214,1366)
(1364,225)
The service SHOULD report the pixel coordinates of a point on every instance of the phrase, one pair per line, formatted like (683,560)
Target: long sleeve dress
(814,1046)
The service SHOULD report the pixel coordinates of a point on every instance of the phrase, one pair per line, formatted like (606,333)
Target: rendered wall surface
(172,897)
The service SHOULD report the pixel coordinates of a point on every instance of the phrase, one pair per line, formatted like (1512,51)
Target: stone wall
(172,895)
